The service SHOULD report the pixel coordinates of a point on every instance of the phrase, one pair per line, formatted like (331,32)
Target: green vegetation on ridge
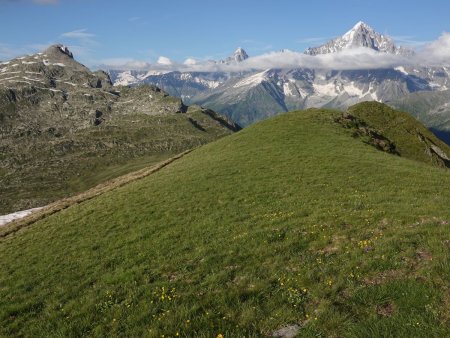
(431,108)
(412,139)
(291,221)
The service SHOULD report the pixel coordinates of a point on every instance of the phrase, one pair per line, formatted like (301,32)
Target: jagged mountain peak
(360,26)
(57,50)
(55,69)
(361,35)
(239,55)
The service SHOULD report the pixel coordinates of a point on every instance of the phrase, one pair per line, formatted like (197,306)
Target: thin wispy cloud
(124,64)
(80,42)
(79,34)
(313,40)
(412,41)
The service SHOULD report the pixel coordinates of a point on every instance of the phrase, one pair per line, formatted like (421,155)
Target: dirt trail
(100,189)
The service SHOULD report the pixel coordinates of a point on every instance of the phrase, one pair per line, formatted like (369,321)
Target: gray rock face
(56,50)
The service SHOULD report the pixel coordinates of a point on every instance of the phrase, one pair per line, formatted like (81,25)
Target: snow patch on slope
(253,80)
(401,70)
(125,79)
(352,90)
(5,219)
(328,89)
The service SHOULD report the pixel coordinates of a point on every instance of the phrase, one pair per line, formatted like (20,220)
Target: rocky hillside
(64,128)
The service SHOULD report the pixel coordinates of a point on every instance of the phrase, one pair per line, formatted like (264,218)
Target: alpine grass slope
(316,222)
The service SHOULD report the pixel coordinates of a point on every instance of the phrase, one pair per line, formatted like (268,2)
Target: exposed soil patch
(386,309)
(384,277)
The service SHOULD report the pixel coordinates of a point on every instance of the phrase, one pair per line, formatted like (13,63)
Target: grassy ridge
(290,221)
(413,140)
(429,107)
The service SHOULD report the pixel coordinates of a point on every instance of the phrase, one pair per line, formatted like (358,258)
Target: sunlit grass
(291,221)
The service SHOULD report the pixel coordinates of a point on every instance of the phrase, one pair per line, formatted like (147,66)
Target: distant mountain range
(250,95)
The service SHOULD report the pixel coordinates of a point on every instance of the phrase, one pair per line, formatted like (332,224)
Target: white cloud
(124,64)
(362,58)
(350,59)
(437,52)
(162,60)
(190,62)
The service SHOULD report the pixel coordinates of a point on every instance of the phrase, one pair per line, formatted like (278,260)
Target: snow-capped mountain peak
(361,35)
(239,55)
(359,27)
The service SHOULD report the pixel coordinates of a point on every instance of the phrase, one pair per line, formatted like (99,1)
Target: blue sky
(102,31)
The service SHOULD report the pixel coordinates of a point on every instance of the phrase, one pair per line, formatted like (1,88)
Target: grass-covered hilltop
(314,223)
(64,129)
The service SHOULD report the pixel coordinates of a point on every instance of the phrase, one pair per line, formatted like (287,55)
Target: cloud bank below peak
(436,53)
